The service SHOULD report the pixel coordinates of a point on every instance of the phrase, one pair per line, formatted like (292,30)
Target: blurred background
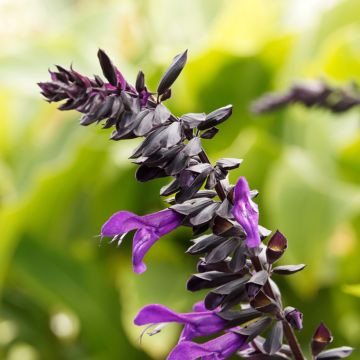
(63,296)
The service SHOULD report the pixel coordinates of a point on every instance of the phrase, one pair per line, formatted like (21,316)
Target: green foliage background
(65,297)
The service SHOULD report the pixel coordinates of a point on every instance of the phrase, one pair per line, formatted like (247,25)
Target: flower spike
(242,312)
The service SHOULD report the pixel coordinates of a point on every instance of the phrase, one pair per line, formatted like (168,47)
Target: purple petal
(188,350)
(246,212)
(216,349)
(154,226)
(188,332)
(143,240)
(124,221)
(164,221)
(149,229)
(156,314)
(121,223)
(202,323)
(199,306)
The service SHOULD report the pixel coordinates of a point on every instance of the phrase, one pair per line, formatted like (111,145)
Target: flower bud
(264,303)
(294,317)
(320,339)
(276,247)
(256,282)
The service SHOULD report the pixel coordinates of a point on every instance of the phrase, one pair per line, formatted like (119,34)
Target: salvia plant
(242,313)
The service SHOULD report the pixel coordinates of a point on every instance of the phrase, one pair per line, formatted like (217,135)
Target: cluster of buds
(242,311)
(313,93)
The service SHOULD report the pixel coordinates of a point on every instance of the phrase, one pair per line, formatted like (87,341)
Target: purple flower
(201,322)
(149,229)
(217,349)
(246,212)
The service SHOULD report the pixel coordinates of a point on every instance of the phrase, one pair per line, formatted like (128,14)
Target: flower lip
(149,229)
(200,322)
(219,348)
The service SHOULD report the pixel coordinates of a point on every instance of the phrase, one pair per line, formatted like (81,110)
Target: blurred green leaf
(352,289)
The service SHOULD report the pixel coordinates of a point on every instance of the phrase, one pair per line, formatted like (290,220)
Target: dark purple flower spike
(149,228)
(310,94)
(246,212)
(235,267)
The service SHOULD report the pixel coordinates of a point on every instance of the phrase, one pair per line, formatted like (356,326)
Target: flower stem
(292,341)
(288,330)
